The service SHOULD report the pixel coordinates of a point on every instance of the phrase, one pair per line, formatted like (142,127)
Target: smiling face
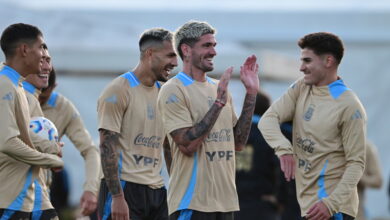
(41,80)
(203,52)
(163,60)
(33,56)
(314,67)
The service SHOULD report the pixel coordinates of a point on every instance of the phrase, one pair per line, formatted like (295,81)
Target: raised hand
(249,75)
(223,85)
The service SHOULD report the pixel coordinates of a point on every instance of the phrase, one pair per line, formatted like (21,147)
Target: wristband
(219,103)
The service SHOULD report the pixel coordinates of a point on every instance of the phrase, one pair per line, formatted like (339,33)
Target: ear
(23,49)
(148,52)
(185,49)
(328,60)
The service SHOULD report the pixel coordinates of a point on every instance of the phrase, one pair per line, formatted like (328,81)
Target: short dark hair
(16,34)
(323,43)
(154,37)
(52,80)
(263,102)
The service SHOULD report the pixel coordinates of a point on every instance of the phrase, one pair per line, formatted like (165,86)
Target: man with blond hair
(203,129)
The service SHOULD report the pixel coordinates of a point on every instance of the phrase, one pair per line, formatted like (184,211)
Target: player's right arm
(189,139)
(282,110)
(111,107)
(109,141)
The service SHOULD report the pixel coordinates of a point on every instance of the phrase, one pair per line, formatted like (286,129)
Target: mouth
(43,76)
(209,60)
(168,69)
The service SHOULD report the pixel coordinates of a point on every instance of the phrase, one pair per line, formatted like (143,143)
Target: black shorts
(48,214)
(144,202)
(8,214)
(189,214)
(338,216)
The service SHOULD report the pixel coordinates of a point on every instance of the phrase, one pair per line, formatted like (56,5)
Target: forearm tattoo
(205,125)
(187,135)
(108,145)
(167,155)
(243,126)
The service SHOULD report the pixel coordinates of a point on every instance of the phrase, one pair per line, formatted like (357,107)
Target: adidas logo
(8,96)
(172,99)
(357,115)
(111,99)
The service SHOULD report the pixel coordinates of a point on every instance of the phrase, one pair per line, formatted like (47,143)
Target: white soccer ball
(44,128)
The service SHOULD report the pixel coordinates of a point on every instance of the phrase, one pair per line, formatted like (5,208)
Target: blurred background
(91,42)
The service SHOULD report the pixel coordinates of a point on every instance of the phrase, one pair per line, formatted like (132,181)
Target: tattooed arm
(191,138)
(243,126)
(249,78)
(109,141)
(167,155)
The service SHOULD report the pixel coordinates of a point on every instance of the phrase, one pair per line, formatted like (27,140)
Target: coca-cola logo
(153,141)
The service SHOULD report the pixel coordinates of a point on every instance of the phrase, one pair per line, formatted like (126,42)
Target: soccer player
(202,128)
(43,209)
(20,162)
(131,135)
(66,118)
(327,154)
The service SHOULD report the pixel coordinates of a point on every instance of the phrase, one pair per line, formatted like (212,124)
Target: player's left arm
(249,77)
(80,137)
(353,136)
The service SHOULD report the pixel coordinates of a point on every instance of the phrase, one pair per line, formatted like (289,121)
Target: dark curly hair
(323,43)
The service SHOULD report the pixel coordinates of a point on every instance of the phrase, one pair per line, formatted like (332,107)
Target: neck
(18,66)
(194,73)
(144,75)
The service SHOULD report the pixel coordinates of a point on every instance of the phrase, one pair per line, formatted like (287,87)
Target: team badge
(309,113)
(150,111)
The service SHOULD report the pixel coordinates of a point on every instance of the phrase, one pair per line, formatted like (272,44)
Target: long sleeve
(280,111)
(82,140)
(16,148)
(43,145)
(353,134)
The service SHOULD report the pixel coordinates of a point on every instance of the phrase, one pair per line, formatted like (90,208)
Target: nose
(302,67)
(46,68)
(213,51)
(174,61)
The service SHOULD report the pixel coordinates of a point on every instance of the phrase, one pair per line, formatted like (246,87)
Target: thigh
(158,204)
(14,215)
(49,214)
(188,214)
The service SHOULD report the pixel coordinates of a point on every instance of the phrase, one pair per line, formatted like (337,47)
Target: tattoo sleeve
(167,155)
(185,135)
(243,126)
(109,141)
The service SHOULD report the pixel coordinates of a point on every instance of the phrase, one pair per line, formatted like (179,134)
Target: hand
(249,75)
(287,164)
(318,211)
(60,145)
(88,203)
(119,208)
(223,84)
